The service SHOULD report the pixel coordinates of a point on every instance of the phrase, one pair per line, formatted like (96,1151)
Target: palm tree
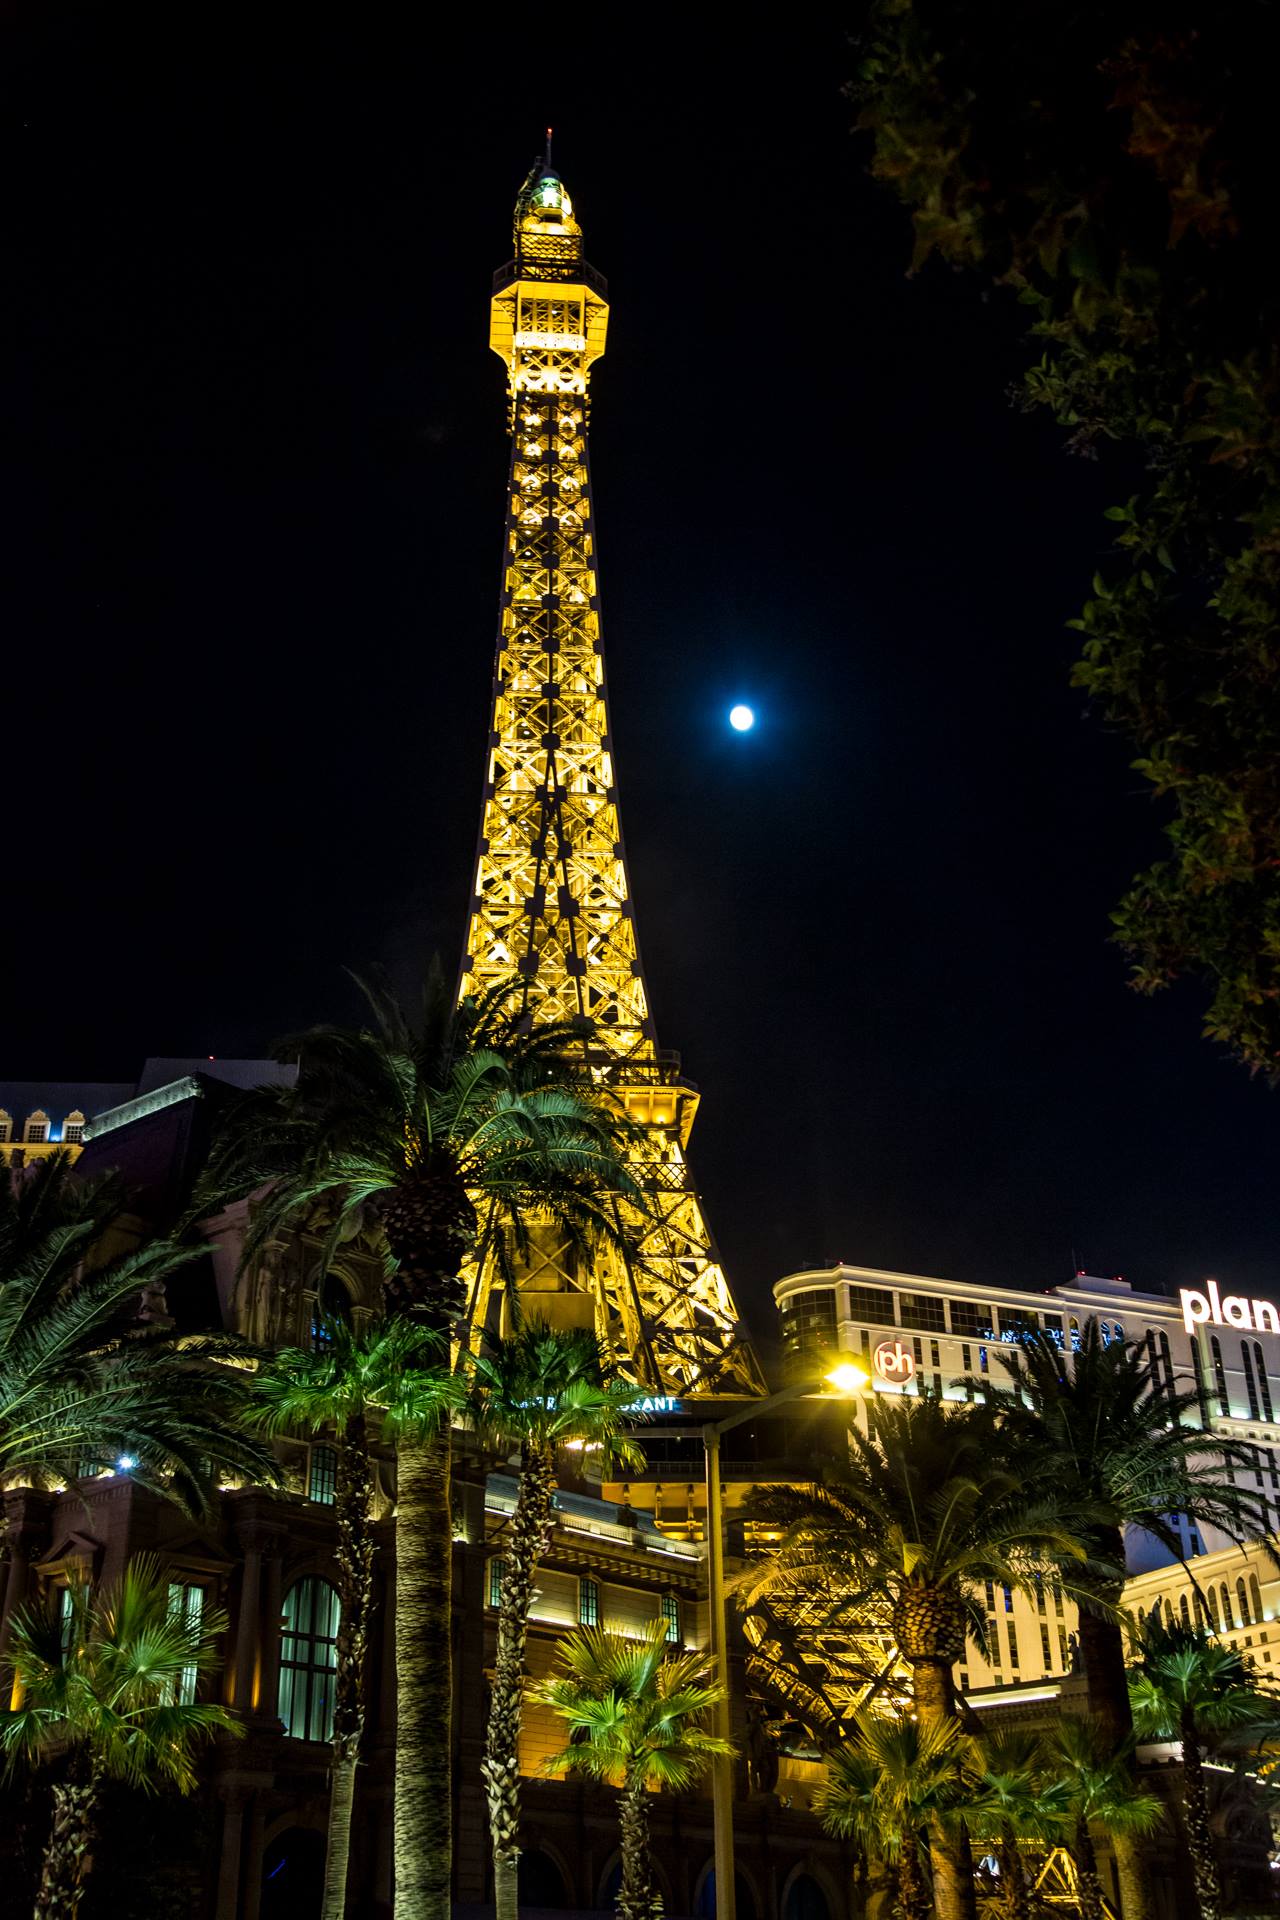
(887,1788)
(106,1692)
(82,1375)
(1097,1783)
(1191,1688)
(1120,1447)
(389,1371)
(542,1390)
(443,1137)
(930,1508)
(635,1718)
(1014,1807)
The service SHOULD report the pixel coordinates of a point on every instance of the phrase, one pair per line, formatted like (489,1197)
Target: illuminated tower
(552,900)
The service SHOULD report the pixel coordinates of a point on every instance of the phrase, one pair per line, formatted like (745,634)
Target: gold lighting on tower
(552,900)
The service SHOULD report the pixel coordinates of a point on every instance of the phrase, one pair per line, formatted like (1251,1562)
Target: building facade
(914,1333)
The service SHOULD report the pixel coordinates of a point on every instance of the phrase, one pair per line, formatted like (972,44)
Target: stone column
(228,1899)
(253,1860)
(269,1690)
(248,1623)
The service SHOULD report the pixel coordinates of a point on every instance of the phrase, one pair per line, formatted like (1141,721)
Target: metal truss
(552,901)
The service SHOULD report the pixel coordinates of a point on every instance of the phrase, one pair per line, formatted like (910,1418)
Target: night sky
(253,468)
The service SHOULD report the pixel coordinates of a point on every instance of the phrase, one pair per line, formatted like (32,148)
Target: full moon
(741,719)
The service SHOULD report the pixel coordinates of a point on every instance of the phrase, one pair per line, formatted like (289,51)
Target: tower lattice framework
(552,902)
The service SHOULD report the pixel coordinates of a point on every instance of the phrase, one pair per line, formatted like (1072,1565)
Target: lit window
(968,1318)
(73,1129)
(309,1659)
(671,1614)
(37,1128)
(497,1574)
(922,1311)
(588,1603)
(186,1605)
(322,1478)
(6,1126)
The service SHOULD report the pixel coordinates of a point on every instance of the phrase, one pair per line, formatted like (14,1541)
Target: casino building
(914,1333)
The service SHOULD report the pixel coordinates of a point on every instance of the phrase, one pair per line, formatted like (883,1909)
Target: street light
(847,1379)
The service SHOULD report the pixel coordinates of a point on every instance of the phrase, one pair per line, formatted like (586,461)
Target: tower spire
(552,903)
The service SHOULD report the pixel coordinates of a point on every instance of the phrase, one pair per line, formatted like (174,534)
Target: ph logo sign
(893,1363)
(1259,1316)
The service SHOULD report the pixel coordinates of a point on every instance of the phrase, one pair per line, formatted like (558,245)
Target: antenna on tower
(546,158)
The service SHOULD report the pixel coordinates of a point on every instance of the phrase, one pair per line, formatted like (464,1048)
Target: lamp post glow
(846,1379)
(741,719)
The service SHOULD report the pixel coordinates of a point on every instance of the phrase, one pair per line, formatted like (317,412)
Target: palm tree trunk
(352,1507)
(424,1680)
(953,1891)
(1195,1801)
(1102,1657)
(1086,1862)
(914,1900)
(64,1868)
(1013,1880)
(342,1794)
(636,1900)
(523,1548)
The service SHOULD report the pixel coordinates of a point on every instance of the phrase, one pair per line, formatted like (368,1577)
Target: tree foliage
(1112,166)
(84,1377)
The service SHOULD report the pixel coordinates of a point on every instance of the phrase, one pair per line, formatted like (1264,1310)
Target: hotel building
(914,1334)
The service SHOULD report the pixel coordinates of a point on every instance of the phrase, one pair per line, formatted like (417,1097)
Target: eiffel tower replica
(552,902)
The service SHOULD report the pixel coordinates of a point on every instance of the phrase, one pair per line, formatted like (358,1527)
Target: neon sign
(1259,1316)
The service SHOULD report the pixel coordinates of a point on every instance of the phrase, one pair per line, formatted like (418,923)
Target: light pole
(846,1379)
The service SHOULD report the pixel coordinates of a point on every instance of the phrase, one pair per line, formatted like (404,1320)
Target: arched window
(308,1659)
(539,1881)
(1255,1594)
(1228,1618)
(1211,1600)
(1243,1600)
(1184,1610)
(73,1129)
(671,1614)
(705,1907)
(1220,1378)
(1202,1397)
(1166,1357)
(6,1126)
(1169,1619)
(497,1574)
(1249,1386)
(1264,1385)
(588,1602)
(805,1900)
(37,1127)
